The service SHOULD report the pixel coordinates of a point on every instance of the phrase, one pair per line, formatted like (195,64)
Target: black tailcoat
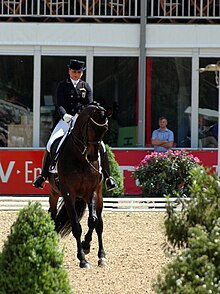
(70,99)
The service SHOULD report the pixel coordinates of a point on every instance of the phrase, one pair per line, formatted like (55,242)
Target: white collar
(74,82)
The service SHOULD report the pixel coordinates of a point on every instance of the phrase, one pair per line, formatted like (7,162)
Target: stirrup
(110,184)
(38,183)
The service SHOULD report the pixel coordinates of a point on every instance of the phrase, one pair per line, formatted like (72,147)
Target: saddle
(55,153)
(57,148)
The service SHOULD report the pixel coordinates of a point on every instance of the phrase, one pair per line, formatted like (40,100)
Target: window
(53,70)
(16,101)
(169,95)
(208,106)
(115,86)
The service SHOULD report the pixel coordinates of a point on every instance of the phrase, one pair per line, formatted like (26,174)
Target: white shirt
(74,82)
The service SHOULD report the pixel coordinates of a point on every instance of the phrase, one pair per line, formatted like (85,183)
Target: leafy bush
(196,230)
(197,269)
(165,173)
(31,261)
(202,208)
(115,173)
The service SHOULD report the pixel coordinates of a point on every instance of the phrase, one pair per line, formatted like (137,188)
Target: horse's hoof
(86,251)
(84,264)
(86,248)
(102,262)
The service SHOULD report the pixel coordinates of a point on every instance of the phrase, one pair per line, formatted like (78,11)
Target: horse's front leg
(99,230)
(76,228)
(95,222)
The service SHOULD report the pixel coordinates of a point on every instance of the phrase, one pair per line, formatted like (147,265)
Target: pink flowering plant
(166,173)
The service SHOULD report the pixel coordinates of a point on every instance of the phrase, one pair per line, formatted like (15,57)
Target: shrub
(31,261)
(165,173)
(195,229)
(202,208)
(115,173)
(197,269)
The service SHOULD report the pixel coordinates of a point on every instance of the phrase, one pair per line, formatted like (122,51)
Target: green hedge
(115,173)
(31,261)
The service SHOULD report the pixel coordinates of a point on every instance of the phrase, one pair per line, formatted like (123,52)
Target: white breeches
(60,130)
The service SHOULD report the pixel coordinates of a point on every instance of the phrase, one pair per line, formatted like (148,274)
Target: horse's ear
(109,113)
(94,103)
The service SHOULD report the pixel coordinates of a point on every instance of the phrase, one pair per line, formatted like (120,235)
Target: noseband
(99,125)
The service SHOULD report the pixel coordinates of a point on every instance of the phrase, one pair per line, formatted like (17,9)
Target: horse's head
(90,127)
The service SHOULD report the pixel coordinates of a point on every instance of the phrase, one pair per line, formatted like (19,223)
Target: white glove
(67,117)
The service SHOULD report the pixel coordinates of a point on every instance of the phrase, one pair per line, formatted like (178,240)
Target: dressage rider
(72,95)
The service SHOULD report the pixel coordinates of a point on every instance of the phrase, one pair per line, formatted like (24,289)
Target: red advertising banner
(18,169)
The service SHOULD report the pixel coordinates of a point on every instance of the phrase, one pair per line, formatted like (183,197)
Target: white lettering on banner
(27,172)
(5,176)
(128,168)
(30,171)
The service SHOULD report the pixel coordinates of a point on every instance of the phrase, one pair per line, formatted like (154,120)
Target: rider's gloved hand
(67,117)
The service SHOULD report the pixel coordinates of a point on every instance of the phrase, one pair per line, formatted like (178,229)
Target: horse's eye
(100,115)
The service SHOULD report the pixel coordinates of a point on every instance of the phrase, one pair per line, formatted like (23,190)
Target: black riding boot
(110,182)
(38,183)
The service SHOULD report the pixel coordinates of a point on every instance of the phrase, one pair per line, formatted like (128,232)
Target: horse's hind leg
(76,228)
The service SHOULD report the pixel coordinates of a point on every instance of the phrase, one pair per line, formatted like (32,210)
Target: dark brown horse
(80,182)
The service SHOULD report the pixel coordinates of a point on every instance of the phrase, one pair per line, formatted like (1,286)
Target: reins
(89,162)
(79,141)
(83,153)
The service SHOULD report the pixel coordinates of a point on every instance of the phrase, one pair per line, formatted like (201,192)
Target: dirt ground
(133,244)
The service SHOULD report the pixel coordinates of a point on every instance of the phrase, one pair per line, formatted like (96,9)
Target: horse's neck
(75,142)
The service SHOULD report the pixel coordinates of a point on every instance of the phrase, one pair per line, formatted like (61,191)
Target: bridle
(105,124)
(98,124)
(82,144)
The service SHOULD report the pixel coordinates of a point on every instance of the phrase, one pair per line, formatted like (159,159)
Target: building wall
(113,40)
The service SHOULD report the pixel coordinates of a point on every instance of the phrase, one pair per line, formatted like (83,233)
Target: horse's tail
(62,223)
